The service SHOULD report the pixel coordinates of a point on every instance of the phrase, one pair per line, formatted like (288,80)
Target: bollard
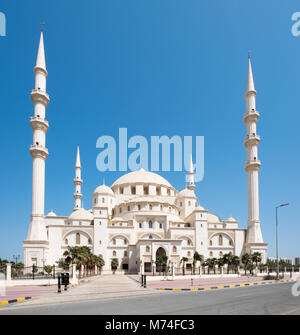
(144,281)
(58,284)
(192,282)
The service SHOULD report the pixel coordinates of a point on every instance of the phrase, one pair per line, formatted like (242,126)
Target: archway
(161,260)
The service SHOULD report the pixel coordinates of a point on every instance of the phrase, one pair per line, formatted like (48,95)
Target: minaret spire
(191,183)
(77,181)
(254,240)
(40,59)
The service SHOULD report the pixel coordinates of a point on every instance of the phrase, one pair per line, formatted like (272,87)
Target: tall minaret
(38,150)
(254,235)
(191,183)
(77,181)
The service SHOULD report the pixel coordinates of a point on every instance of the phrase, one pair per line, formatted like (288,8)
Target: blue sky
(158,68)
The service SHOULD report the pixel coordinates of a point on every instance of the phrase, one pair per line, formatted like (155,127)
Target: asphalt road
(272,299)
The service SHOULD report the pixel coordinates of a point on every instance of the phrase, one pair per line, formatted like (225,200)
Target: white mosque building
(141,215)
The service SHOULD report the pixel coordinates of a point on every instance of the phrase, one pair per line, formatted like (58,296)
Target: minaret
(77,181)
(254,235)
(191,183)
(38,150)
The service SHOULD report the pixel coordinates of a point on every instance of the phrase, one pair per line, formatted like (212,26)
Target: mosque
(141,215)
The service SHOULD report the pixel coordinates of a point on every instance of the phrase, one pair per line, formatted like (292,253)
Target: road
(271,299)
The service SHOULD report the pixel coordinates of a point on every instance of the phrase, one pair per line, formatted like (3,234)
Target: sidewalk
(199,282)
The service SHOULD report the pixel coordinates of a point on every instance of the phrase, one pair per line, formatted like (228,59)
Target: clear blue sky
(158,68)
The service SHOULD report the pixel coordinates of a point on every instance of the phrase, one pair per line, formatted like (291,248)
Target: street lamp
(277,267)
(16,257)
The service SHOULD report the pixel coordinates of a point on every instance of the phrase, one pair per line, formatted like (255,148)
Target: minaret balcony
(77,195)
(37,122)
(252,140)
(77,181)
(253,164)
(251,116)
(37,150)
(38,95)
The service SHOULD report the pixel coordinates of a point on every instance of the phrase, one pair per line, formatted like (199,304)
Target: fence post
(8,272)
(53,271)
(82,271)
(33,271)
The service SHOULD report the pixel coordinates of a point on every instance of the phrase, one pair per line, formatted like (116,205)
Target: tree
(114,264)
(161,261)
(197,258)
(48,269)
(183,261)
(228,260)
(61,263)
(256,257)
(246,259)
(235,261)
(220,262)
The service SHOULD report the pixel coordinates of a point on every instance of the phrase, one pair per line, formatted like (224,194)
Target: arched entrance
(161,260)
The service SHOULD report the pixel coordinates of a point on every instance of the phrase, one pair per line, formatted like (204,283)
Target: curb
(3,303)
(226,286)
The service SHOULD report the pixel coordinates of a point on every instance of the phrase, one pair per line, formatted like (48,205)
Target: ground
(116,295)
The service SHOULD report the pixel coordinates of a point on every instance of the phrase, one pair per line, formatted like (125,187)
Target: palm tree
(235,260)
(246,259)
(197,258)
(161,261)
(228,260)
(183,260)
(220,262)
(214,262)
(256,257)
(114,264)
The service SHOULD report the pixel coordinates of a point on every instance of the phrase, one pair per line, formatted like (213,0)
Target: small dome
(200,208)
(51,214)
(186,193)
(231,219)
(103,189)
(212,218)
(142,176)
(81,215)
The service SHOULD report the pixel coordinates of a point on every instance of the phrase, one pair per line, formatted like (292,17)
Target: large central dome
(142,177)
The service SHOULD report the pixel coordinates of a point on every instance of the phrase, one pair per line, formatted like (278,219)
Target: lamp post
(16,257)
(277,267)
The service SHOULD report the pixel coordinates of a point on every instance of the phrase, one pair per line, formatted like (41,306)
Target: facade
(297,261)
(141,216)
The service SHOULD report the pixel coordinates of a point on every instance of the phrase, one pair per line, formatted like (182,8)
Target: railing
(36,272)
(184,271)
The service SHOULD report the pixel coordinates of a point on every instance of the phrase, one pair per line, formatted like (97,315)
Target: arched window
(161,207)
(220,240)
(150,237)
(66,241)
(210,253)
(160,226)
(125,241)
(133,190)
(189,242)
(210,242)
(170,209)
(121,190)
(95,200)
(128,208)
(114,241)
(174,249)
(77,238)
(168,192)
(100,242)
(147,248)
(220,253)
(150,224)
(90,241)
(230,243)
(114,253)
(103,200)
(189,254)
(139,207)
(158,191)
(150,207)
(120,210)
(125,253)
(180,203)
(140,225)
(189,203)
